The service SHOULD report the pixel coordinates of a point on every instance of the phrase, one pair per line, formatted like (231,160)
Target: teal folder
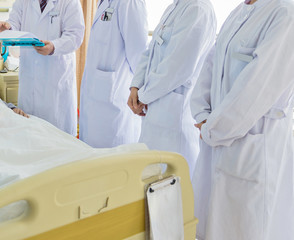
(22,42)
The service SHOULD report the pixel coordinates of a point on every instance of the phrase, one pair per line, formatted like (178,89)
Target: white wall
(4,16)
(222,9)
(4,6)
(155,9)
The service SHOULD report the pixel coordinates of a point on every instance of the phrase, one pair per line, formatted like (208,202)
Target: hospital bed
(90,194)
(101,198)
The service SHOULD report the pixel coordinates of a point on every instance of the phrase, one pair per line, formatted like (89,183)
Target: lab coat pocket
(103,31)
(162,126)
(102,86)
(166,33)
(238,190)
(166,112)
(244,54)
(244,159)
(54,29)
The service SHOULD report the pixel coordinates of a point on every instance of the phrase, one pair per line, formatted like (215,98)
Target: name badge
(159,40)
(242,57)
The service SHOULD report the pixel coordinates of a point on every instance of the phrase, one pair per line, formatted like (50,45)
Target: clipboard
(22,42)
(163,210)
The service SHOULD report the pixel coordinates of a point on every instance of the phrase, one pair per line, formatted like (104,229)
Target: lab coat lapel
(100,10)
(36,6)
(167,14)
(48,8)
(244,14)
(159,26)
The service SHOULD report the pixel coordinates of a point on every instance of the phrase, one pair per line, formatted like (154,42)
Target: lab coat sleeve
(191,36)
(10,105)
(138,80)
(200,98)
(15,15)
(257,88)
(73,28)
(134,29)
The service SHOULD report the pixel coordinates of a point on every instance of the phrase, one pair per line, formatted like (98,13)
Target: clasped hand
(135,105)
(199,125)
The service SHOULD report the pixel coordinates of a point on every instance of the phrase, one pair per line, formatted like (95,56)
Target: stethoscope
(5,50)
(104,17)
(1,51)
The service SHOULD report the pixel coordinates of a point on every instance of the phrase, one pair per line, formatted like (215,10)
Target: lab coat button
(280,114)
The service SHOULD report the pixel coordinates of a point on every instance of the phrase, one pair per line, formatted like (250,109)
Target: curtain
(89,9)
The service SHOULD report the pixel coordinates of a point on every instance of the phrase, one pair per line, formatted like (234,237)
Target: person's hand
(48,49)
(20,112)
(142,109)
(133,99)
(199,125)
(135,105)
(4,26)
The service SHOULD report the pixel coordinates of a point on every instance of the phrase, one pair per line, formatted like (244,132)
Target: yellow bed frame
(100,198)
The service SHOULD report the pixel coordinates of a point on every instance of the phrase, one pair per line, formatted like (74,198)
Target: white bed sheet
(29,146)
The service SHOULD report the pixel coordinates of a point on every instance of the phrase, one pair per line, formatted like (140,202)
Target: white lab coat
(167,73)
(115,48)
(245,92)
(47,84)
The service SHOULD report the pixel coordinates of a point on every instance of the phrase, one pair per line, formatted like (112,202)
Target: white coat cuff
(12,27)
(201,117)
(141,97)
(56,47)
(206,135)
(136,83)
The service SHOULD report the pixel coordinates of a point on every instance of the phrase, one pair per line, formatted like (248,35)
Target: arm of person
(192,34)
(72,32)
(133,26)
(200,98)
(257,88)
(4,26)
(137,83)
(20,112)
(15,16)
(16,110)
(135,105)
(48,49)
(134,30)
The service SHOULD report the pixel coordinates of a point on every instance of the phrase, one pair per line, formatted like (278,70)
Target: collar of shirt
(257,4)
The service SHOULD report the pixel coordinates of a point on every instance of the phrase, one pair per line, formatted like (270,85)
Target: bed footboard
(100,198)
